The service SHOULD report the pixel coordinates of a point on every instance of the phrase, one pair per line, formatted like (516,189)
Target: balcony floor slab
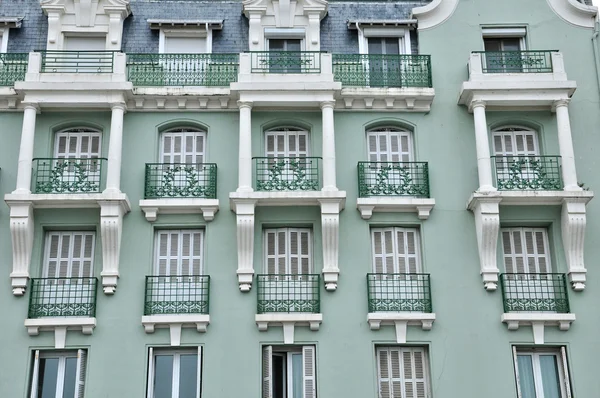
(288,321)
(529,197)
(60,325)
(400,320)
(175,322)
(153,207)
(287,198)
(538,321)
(68,201)
(395,204)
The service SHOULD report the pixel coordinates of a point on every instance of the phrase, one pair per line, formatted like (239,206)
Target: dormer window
(185,36)
(6,23)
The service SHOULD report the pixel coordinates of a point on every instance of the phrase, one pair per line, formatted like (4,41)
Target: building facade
(285,199)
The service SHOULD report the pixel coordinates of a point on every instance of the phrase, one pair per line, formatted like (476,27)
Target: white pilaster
(245,154)
(329,183)
(484,165)
(111,226)
(26,150)
(113,175)
(21,230)
(487,224)
(565,142)
(330,229)
(245,243)
(573,234)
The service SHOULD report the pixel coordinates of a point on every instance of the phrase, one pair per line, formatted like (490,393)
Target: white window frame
(395,253)
(204,32)
(78,132)
(287,254)
(61,235)
(515,131)
(309,374)
(180,257)
(62,356)
(285,33)
(185,132)
(402,376)
(403,35)
(535,353)
(4,40)
(152,352)
(388,132)
(525,255)
(506,33)
(286,132)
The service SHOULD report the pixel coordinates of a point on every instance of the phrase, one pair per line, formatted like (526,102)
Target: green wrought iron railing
(182,69)
(399,292)
(13,67)
(77,61)
(287,174)
(180,180)
(285,61)
(381,70)
(288,293)
(62,297)
(534,293)
(54,175)
(541,173)
(516,61)
(180,294)
(393,179)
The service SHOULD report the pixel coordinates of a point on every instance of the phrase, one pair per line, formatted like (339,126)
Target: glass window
(541,373)
(174,373)
(289,372)
(58,374)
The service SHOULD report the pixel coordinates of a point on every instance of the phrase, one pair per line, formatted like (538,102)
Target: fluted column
(329,183)
(113,175)
(484,164)
(26,150)
(245,154)
(565,142)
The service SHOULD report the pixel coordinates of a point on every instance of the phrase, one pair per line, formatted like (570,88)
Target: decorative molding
(574,12)
(111,226)
(21,230)
(404,99)
(400,320)
(487,224)
(288,321)
(573,233)
(330,229)
(434,13)
(538,322)
(175,323)
(60,326)
(245,243)
(153,207)
(389,204)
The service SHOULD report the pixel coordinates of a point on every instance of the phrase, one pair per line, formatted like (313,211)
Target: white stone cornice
(175,323)
(575,12)
(537,321)
(60,326)
(288,321)
(153,207)
(398,204)
(434,13)
(400,320)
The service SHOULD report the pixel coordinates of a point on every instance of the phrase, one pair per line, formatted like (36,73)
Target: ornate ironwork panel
(177,294)
(393,179)
(286,61)
(13,67)
(287,174)
(180,180)
(62,297)
(382,70)
(288,293)
(399,292)
(182,69)
(77,61)
(516,61)
(541,173)
(53,175)
(535,292)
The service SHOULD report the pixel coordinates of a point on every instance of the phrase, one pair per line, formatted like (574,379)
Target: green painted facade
(469,348)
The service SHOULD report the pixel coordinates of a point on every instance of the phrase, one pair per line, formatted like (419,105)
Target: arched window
(286,142)
(183,145)
(390,144)
(515,141)
(78,143)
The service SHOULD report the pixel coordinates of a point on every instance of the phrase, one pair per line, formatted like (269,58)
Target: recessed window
(69,255)
(503,47)
(526,250)
(289,372)
(77,143)
(179,252)
(179,41)
(84,43)
(541,373)
(390,144)
(288,251)
(175,373)
(58,374)
(402,372)
(183,145)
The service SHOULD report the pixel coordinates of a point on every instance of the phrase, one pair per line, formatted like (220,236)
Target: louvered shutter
(69,255)
(35,374)
(516,364)
(383,250)
(150,373)
(294,253)
(415,381)
(383,371)
(309,371)
(395,373)
(565,366)
(286,143)
(305,255)
(406,247)
(199,375)
(183,146)
(515,142)
(271,250)
(77,143)
(526,250)
(267,370)
(80,374)
(389,145)
(179,252)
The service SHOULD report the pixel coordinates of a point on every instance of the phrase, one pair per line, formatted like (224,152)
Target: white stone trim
(288,321)
(60,326)
(575,12)
(434,13)
(400,320)
(204,31)
(405,99)
(538,321)
(175,323)
(487,225)
(573,223)
(390,204)
(153,207)
(4,39)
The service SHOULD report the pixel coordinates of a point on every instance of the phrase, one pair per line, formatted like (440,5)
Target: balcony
(176,301)
(59,304)
(288,300)
(287,174)
(286,62)
(399,300)
(180,188)
(68,176)
(535,299)
(394,187)
(77,61)
(518,173)
(212,70)
(13,67)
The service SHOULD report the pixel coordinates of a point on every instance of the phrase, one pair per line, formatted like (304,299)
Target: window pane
(70,373)
(550,379)
(526,376)
(293,44)
(276,44)
(48,374)
(163,376)
(297,375)
(278,376)
(188,375)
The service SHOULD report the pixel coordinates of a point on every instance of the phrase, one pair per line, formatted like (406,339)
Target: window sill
(60,326)
(175,322)
(395,204)
(538,321)
(289,321)
(152,207)
(401,320)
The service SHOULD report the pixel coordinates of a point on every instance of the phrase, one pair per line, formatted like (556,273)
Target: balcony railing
(53,175)
(285,61)
(527,173)
(380,70)
(393,179)
(77,61)
(287,174)
(62,297)
(288,293)
(516,61)
(182,69)
(180,294)
(534,293)
(13,67)
(399,293)
(179,180)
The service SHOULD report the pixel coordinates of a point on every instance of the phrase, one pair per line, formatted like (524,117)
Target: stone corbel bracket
(573,233)
(60,326)
(400,320)
(175,323)
(330,229)
(244,210)
(111,227)
(21,230)
(288,322)
(538,322)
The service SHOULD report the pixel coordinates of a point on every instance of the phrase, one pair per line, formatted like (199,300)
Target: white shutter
(179,252)
(77,143)
(407,247)
(80,374)
(199,375)
(286,143)
(395,366)
(69,255)
(35,374)
(85,43)
(383,371)
(515,141)
(516,362)
(267,371)
(390,145)
(184,45)
(526,250)
(413,366)
(309,373)
(150,373)
(288,251)
(183,145)
(396,250)
(383,250)
(565,366)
